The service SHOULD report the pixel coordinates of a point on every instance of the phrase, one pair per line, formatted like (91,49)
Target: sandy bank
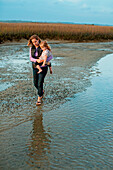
(72,71)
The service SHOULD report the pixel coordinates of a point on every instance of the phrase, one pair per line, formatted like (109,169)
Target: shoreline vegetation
(55,31)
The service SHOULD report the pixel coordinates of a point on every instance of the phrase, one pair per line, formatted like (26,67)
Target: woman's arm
(39,61)
(31,58)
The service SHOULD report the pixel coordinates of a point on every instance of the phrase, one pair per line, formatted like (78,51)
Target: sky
(73,11)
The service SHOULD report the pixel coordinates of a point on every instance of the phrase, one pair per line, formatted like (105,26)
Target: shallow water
(15,65)
(77,135)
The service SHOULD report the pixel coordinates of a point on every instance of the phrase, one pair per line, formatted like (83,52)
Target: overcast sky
(76,11)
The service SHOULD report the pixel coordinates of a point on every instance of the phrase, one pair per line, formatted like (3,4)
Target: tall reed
(57,31)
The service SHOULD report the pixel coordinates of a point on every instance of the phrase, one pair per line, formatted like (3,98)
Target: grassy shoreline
(51,31)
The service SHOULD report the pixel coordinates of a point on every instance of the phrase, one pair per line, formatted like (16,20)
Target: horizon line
(22,21)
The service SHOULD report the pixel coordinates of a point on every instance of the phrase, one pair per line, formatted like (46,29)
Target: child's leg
(48,63)
(39,68)
(50,68)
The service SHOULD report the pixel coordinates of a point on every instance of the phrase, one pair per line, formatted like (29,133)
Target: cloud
(85,7)
(12,1)
(106,10)
(101,8)
(61,0)
(73,1)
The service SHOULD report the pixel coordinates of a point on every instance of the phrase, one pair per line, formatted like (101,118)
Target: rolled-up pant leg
(41,77)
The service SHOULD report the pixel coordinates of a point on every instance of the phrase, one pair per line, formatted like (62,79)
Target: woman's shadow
(38,147)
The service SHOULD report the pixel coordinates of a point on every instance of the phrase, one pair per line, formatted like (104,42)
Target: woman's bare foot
(38,103)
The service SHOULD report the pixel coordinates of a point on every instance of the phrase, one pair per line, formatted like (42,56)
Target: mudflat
(72,70)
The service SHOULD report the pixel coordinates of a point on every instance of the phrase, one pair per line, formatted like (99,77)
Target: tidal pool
(76,135)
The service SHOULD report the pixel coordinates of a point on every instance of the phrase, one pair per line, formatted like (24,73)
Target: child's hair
(45,44)
(33,37)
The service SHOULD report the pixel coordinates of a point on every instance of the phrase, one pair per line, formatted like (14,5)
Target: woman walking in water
(35,53)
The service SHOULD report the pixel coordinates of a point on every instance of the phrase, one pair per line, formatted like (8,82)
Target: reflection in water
(39,143)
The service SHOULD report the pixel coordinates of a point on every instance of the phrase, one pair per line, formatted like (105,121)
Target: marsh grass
(56,31)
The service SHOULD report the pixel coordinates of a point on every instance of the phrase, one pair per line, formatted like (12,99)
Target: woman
(35,53)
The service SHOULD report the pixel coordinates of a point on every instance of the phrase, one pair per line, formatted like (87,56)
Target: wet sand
(23,129)
(72,68)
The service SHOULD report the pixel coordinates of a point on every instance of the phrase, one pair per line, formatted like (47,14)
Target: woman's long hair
(33,37)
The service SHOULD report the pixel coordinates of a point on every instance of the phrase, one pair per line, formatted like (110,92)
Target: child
(46,56)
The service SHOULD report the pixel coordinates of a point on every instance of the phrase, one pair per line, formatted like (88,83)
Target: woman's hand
(43,65)
(39,61)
